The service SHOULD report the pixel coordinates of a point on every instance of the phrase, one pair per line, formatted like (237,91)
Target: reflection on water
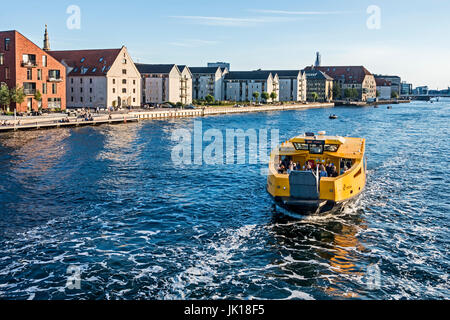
(110,201)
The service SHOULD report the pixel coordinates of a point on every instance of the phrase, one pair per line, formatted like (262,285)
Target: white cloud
(193,43)
(299,12)
(230,21)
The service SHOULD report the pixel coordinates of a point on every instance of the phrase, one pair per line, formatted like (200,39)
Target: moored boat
(313,174)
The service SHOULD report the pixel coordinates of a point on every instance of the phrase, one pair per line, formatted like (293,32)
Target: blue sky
(412,41)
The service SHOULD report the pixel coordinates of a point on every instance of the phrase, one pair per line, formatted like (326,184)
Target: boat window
(316,148)
(331,147)
(301,146)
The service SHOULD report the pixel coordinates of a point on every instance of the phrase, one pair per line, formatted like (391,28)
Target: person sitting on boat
(334,173)
(323,172)
(281,168)
(344,170)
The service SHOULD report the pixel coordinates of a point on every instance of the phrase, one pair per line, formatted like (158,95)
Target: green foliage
(265,96)
(38,96)
(17,95)
(351,93)
(315,96)
(256,95)
(337,90)
(394,95)
(209,99)
(273,96)
(5,98)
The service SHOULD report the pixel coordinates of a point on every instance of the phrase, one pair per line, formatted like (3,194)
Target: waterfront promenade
(57,121)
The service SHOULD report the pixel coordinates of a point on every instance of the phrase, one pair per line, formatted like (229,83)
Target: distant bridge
(426,97)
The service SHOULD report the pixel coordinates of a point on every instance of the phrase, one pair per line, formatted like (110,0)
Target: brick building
(24,64)
(351,77)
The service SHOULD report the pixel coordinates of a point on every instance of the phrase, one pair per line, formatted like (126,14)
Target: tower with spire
(318,60)
(46,40)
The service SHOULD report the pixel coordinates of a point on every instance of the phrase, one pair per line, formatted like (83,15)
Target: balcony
(54,79)
(29,64)
(29,92)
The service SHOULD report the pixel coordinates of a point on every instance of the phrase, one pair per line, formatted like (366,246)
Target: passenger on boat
(323,172)
(344,170)
(334,173)
(281,168)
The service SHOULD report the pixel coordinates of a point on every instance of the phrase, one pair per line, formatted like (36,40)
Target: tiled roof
(87,62)
(154,68)
(211,70)
(248,75)
(382,82)
(285,73)
(350,74)
(317,75)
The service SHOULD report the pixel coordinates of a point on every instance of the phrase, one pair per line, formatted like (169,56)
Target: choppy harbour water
(109,201)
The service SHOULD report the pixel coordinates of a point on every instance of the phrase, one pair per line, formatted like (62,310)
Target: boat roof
(350,148)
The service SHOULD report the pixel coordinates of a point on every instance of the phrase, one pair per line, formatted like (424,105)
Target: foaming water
(109,201)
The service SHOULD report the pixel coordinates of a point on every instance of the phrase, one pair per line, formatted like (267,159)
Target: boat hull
(296,207)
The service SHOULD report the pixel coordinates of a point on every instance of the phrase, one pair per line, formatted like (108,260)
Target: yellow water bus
(296,178)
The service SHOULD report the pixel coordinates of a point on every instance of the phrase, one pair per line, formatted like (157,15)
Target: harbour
(61,121)
(109,201)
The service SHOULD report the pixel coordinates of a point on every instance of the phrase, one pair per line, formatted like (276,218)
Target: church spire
(46,40)
(318,60)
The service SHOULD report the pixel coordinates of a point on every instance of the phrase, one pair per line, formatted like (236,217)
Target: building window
(124,81)
(114,81)
(54,88)
(124,71)
(81,99)
(90,99)
(81,80)
(90,90)
(114,90)
(7,43)
(90,80)
(124,90)
(39,74)
(134,81)
(44,88)
(44,61)
(54,74)
(71,80)
(71,99)
(7,74)
(29,74)
(134,90)
(81,90)
(71,89)
(2,59)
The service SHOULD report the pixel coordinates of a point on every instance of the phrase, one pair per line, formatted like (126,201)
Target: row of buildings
(109,78)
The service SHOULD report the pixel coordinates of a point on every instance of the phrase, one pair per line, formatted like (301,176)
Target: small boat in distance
(333,116)
(389,107)
(313,174)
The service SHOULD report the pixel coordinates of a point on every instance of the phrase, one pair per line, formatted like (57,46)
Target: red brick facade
(31,73)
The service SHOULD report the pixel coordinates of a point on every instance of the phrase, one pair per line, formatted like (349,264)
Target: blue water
(109,201)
